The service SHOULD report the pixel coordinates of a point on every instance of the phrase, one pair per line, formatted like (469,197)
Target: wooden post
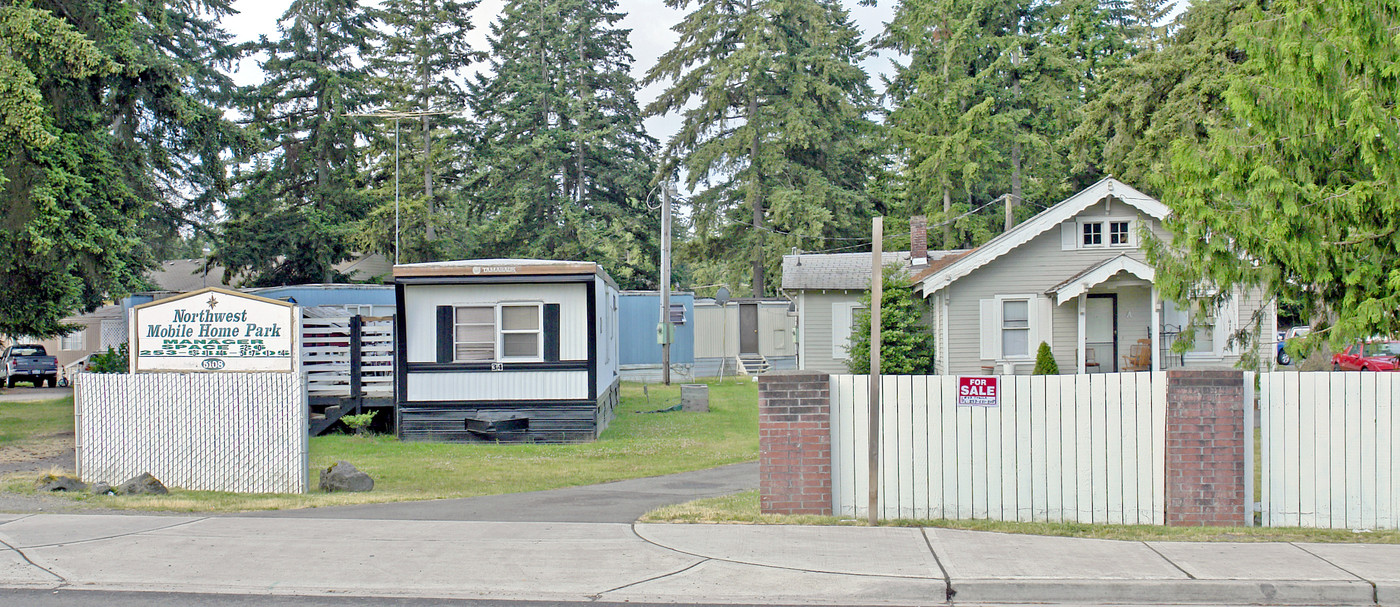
(876,286)
(355,362)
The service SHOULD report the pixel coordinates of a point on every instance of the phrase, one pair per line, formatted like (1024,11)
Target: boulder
(58,482)
(142,485)
(101,489)
(345,477)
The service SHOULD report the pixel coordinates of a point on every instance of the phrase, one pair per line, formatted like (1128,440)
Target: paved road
(617,502)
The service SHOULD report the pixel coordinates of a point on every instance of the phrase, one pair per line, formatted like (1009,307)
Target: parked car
(1282,355)
(1378,355)
(28,363)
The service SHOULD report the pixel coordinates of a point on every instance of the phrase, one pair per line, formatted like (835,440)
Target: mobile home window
(677,314)
(72,341)
(1015,327)
(474,334)
(520,331)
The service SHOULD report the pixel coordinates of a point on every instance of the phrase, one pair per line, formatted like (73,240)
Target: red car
(1368,356)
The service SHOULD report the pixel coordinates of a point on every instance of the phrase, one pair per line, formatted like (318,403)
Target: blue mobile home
(640,313)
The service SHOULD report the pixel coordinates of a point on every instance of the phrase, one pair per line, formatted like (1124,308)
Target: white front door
(1100,334)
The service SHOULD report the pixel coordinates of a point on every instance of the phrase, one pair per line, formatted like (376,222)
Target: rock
(58,482)
(345,477)
(142,485)
(101,489)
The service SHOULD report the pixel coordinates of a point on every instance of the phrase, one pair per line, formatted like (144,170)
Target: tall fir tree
(563,161)
(298,206)
(109,134)
(421,51)
(984,106)
(775,132)
(1173,89)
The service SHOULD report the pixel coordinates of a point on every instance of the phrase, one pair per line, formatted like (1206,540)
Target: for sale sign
(978,392)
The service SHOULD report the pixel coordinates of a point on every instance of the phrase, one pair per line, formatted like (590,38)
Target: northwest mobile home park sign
(214,330)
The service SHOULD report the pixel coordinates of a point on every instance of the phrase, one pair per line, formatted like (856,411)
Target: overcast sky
(649,20)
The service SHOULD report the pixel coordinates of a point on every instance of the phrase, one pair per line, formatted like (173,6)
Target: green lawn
(634,445)
(21,422)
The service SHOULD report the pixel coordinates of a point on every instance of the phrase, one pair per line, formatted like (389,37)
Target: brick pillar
(1205,448)
(794,426)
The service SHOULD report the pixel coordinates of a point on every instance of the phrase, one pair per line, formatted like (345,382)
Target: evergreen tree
(906,345)
(1293,192)
(1172,90)
(983,108)
(297,208)
(775,134)
(421,52)
(109,134)
(563,161)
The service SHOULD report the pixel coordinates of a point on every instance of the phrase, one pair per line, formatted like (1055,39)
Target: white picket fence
(1074,448)
(1328,451)
(240,432)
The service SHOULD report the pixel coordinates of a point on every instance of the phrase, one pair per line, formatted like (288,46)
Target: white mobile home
(505,350)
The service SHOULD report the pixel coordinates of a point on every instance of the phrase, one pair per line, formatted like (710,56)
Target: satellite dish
(722,296)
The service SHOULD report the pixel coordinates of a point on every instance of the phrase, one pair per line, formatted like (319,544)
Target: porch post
(1156,329)
(1079,343)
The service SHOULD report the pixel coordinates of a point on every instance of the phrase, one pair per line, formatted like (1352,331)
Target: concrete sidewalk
(672,563)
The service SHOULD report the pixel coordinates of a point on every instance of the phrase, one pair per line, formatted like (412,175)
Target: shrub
(906,345)
(111,361)
(359,423)
(1045,361)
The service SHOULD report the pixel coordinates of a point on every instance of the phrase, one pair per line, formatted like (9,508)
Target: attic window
(1092,236)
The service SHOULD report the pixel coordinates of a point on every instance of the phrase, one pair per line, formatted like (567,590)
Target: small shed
(505,350)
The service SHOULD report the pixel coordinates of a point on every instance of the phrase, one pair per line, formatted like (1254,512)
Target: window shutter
(444,334)
(551,332)
(991,330)
(1068,236)
(840,330)
(1044,331)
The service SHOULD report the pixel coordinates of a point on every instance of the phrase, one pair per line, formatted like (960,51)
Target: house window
(72,341)
(1015,328)
(520,331)
(1093,234)
(1118,232)
(474,334)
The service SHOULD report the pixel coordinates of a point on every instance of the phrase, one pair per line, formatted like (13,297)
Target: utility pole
(398,116)
(666,282)
(876,285)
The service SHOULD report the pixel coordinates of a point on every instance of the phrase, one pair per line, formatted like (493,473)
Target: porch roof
(1097,274)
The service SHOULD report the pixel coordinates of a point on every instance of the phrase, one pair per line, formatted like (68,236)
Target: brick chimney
(918,240)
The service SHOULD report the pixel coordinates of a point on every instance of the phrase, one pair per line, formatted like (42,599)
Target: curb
(1148,592)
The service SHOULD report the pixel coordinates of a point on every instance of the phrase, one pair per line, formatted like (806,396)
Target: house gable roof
(1097,274)
(937,278)
(847,271)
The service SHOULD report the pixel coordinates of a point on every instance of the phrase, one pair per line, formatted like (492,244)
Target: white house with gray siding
(505,349)
(1076,277)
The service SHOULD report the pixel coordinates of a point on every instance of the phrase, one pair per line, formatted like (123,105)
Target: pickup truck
(30,363)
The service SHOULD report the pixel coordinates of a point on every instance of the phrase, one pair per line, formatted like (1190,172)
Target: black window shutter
(551,332)
(444,334)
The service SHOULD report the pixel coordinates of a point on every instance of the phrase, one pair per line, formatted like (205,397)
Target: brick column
(794,426)
(1205,448)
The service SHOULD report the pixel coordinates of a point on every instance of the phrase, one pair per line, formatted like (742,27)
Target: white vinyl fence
(1079,448)
(240,432)
(1327,450)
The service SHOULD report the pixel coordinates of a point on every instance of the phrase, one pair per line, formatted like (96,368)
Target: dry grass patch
(743,509)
